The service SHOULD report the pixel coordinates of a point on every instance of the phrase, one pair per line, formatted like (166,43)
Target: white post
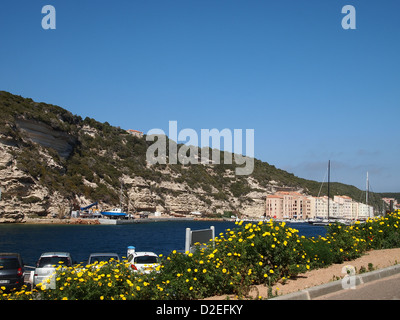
(213,235)
(188,240)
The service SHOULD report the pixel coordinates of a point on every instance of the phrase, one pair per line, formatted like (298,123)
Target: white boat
(323,222)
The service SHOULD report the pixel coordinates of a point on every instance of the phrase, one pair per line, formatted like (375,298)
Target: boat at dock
(320,222)
(327,222)
(114,213)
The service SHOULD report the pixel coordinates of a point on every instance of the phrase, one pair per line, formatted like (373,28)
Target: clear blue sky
(311,90)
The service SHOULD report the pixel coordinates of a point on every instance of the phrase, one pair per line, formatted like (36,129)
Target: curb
(335,286)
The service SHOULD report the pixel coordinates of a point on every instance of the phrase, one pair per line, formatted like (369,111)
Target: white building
(365,211)
(344,206)
(319,207)
(293,205)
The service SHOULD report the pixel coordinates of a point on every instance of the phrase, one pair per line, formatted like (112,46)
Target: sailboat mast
(367,188)
(329,177)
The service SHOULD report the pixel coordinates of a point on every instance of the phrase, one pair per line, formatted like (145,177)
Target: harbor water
(32,240)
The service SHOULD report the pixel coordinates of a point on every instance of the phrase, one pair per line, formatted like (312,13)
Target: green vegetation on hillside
(98,161)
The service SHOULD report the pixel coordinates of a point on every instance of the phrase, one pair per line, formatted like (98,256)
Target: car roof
(58,254)
(103,254)
(145,253)
(9,254)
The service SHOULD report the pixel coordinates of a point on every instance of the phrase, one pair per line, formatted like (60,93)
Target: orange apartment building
(288,205)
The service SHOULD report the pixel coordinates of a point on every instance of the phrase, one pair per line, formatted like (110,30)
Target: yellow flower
(272,246)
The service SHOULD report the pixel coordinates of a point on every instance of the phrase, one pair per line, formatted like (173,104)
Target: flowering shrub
(261,253)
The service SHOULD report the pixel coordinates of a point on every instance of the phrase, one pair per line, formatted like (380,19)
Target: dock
(142,220)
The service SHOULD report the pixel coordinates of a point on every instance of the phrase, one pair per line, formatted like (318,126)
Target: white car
(144,262)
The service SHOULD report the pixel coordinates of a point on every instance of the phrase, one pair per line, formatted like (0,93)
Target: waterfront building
(294,205)
(344,206)
(288,205)
(391,201)
(319,207)
(365,211)
(274,206)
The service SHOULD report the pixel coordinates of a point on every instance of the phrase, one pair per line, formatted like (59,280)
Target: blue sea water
(81,240)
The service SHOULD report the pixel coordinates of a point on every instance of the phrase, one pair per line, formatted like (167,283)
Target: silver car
(46,267)
(98,257)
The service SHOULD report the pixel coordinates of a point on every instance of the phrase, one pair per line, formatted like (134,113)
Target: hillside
(52,160)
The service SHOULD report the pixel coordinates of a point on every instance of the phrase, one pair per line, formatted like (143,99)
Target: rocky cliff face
(24,196)
(51,160)
(46,136)
(21,194)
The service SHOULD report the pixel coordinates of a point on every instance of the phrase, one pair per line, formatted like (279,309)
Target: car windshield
(145,259)
(50,261)
(102,258)
(7,263)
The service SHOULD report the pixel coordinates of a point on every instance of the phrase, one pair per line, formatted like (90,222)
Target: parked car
(46,267)
(144,262)
(98,257)
(11,271)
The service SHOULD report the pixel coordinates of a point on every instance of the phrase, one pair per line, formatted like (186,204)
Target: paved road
(383,289)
